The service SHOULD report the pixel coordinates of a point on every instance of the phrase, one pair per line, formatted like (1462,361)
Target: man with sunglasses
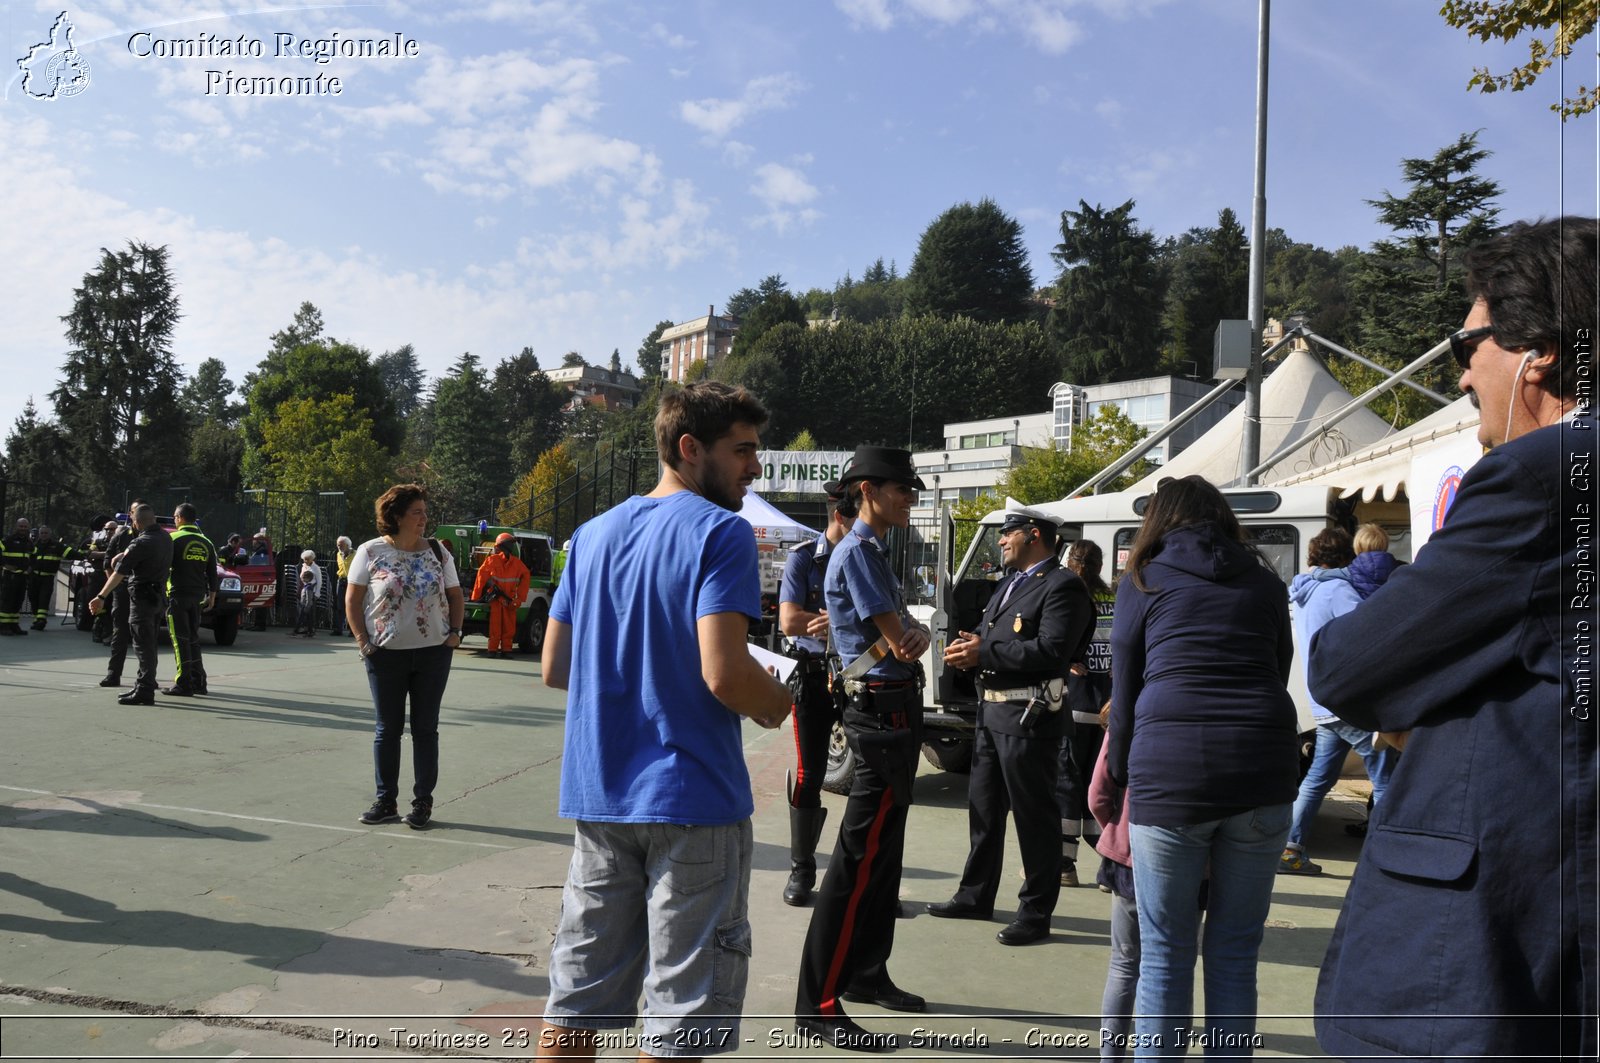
(1470,925)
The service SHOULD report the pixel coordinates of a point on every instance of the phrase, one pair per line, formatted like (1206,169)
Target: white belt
(1050,691)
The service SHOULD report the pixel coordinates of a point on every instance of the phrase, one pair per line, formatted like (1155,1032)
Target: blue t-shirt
(646,741)
(802,586)
(859,585)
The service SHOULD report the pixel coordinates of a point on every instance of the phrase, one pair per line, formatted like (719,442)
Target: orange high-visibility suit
(503,579)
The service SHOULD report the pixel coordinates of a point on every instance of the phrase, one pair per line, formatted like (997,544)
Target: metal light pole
(1251,454)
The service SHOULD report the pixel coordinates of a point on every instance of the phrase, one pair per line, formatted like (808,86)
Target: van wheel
(949,753)
(841,773)
(530,639)
(226,630)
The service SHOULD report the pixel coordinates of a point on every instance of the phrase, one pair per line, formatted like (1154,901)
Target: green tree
(572,360)
(743,301)
(117,402)
(1306,281)
(530,408)
(469,455)
(36,458)
(1208,281)
(305,328)
(803,441)
(313,445)
(1409,290)
(967,513)
(402,378)
(880,293)
(302,363)
(216,451)
(1506,20)
(774,310)
(970,262)
(206,395)
(1107,318)
(649,357)
(1045,474)
(544,485)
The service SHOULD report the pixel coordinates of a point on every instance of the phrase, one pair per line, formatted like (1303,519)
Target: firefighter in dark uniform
(16,565)
(48,553)
(879,648)
(803,619)
(192,588)
(145,567)
(1036,624)
(121,635)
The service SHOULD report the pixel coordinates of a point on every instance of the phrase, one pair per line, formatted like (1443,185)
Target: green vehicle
(472,543)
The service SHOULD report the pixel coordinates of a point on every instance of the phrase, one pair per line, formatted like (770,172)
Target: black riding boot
(805,828)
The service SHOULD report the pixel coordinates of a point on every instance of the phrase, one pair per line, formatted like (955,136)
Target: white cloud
(1044,24)
(669,38)
(784,192)
(718,118)
(871,13)
(1110,110)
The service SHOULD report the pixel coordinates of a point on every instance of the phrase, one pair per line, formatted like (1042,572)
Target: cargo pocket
(1425,855)
(732,970)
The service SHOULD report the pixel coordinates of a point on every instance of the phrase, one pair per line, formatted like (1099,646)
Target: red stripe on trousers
(829,1004)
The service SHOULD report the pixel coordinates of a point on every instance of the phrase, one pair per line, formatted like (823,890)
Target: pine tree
(1107,318)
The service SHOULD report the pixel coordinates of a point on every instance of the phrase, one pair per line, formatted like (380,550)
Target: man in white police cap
(1036,623)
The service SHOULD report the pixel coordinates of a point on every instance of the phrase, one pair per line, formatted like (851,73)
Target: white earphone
(1522,367)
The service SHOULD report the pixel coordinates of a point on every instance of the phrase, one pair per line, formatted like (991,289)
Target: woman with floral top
(404,606)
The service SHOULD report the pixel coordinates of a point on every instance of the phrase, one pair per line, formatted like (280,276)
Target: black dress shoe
(957,910)
(111,681)
(840,1031)
(890,996)
(1020,933)
(177,690)
(137,696)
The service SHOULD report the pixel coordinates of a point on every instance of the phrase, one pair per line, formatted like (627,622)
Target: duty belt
(854,687)
(1050,691)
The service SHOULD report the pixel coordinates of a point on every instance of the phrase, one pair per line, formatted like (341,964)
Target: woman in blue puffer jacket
(1337,583)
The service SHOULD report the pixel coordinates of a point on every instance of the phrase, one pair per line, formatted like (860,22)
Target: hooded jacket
(1318,597)
(1202,726)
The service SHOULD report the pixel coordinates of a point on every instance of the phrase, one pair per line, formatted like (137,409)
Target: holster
(883,727)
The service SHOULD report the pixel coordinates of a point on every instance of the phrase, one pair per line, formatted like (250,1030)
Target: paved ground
(190,880)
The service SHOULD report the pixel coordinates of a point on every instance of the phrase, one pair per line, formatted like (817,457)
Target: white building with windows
(976,453)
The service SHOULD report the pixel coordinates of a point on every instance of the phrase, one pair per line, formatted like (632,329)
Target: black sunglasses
(1464,342)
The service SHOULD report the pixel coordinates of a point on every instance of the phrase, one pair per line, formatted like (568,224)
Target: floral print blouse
(405,605)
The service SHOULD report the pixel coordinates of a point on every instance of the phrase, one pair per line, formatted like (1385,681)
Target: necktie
(1005,595)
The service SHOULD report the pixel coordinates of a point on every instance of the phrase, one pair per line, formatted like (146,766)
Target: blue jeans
(1122,980)
(662,910)
(1169,864)
(394,676)
(1335,739)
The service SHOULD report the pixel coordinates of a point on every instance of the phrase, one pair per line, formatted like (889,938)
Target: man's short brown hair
(391,506)
(706,410)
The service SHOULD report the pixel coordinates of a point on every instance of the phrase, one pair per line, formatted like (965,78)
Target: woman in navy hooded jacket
(1202,734)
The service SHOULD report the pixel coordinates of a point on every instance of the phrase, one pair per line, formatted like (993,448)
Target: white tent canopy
(771,524)
(1295,400)
(1379,472)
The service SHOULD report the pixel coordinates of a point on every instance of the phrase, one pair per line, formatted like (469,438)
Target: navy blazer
(1469,927)
(1045,625)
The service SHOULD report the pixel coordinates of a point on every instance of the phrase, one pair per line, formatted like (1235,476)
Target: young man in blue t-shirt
(653,772)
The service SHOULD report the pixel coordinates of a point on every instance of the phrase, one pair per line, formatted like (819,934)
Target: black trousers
(144,614)
(13,587)
(121,633)
(183,622)
(41,588)
(1017,775)
(1079,751)
(814,717)
(852,926)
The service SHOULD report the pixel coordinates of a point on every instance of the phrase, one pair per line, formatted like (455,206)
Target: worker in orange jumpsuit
(503,583)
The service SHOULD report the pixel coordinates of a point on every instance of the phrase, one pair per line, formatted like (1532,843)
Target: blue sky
(563,175)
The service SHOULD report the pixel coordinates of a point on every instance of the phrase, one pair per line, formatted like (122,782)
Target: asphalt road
(191,880)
